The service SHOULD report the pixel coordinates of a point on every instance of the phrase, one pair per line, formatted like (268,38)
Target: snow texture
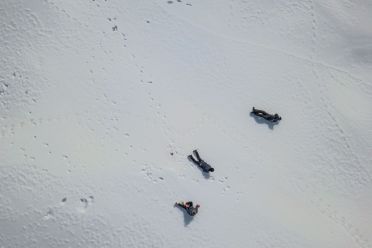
(101,101)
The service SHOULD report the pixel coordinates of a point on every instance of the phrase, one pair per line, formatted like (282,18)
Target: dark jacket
(205,167)
(272,118)
(192,211)
(276,118)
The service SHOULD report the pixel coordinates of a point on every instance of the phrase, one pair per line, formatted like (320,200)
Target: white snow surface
(95,95)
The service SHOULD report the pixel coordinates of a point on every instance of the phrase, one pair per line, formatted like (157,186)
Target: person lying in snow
(188,206)
(200,162)
(265,115)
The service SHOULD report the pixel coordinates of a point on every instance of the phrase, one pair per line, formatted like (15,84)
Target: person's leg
(193,159)
(197,155)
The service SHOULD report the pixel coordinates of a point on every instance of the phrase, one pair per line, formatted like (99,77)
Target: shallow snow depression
(102,101)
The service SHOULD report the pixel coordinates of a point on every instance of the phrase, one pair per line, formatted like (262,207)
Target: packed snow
(101,102)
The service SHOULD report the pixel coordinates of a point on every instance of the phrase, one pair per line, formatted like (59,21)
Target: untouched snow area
(95,95)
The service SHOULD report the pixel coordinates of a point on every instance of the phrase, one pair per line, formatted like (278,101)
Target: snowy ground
(95,95)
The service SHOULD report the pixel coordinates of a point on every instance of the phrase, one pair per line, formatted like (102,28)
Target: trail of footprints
(314,27)
(85,203)
(329,212)
(81,206)
(178,1)
(151,174)
(367,178)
